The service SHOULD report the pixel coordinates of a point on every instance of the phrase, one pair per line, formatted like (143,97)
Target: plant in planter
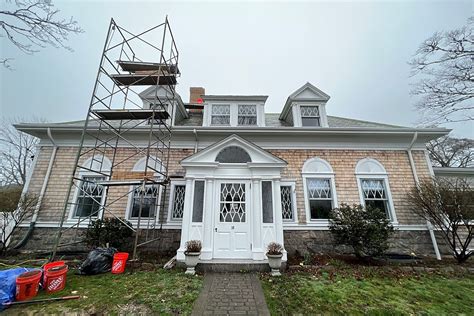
(274,254)
(192,253)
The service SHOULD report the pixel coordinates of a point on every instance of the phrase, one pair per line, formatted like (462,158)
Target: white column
(187,218)
(256,221)
(208,221)
(277,214)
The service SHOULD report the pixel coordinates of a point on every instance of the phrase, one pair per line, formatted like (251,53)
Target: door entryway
(232,238)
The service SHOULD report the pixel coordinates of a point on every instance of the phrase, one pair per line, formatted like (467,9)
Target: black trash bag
(98,261)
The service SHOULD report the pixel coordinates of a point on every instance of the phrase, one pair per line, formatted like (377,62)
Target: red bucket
(48,266)
(27,285)
(120,260)
(55,278)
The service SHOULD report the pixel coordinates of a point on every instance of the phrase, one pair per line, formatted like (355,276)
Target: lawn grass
(325,293)
(160,291)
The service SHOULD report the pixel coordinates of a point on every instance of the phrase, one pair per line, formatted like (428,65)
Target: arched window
(319,189)
(374,190)
(233,154)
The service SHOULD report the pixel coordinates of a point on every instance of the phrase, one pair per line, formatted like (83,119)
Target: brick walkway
(231,294)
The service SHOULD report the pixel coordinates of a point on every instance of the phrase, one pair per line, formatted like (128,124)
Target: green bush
(109,230)
(365,230)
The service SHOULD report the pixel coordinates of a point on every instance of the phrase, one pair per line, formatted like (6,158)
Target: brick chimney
(195,94)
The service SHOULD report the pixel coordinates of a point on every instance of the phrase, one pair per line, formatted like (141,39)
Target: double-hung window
(375,195)
(220,114)
(247,114)
(310,115)
(177,204)
(320,197)
(89,198)
(149,196)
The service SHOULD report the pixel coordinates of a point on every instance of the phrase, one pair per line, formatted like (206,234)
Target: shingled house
(242,177)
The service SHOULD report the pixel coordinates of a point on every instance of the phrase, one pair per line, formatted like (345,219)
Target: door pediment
(252,155)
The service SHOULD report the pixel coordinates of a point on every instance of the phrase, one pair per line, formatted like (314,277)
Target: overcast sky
(357,52)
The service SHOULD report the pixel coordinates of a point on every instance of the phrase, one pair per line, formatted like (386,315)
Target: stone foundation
(402,242)
(42,240)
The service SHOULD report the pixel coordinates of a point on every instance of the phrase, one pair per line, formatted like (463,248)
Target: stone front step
(232,266)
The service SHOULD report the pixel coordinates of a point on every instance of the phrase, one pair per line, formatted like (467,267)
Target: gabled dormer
(244,111)
(155,96)
(306,107)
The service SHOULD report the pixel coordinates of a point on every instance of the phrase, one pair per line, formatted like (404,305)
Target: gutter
(41,195)
(417,182)
(196,140)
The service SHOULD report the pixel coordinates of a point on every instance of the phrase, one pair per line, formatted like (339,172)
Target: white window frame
(293,201)
(128,211)
(325,173)
(171,200)
(211,115)
(256,115)
(318,117)
(234,113)
(377,174)
(106,165)
(296,111)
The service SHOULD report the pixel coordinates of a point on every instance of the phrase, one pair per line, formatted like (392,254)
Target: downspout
(41,195)
(196,140)
(417,182)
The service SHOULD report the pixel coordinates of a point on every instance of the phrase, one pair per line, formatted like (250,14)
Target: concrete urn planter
(191,259)
(274,261)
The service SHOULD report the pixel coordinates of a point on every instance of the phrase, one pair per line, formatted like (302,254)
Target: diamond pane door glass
(375,195)
(89,197)
(220,115)
(149,201)
(232,202)
(178,202)
(247,114)
(286,202)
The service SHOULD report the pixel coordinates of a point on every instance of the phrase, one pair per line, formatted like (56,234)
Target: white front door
(232,222)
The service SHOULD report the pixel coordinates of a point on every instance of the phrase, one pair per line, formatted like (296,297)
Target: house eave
(257,98)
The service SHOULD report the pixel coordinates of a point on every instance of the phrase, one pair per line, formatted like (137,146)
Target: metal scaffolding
(127,100)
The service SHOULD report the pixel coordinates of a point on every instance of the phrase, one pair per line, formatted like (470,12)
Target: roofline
(285,130)
(453,171)
(260,98)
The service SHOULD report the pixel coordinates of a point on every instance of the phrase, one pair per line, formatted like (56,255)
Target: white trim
(233,113)
(173,185)
(291,184)
(375,174)
(322,174)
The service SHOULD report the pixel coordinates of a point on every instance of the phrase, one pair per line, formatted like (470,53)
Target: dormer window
(247,114)
(220,114)
(310,115)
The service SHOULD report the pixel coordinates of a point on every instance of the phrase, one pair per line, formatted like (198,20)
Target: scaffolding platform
(143,79)
(137,66)
(112,183)
(138,114)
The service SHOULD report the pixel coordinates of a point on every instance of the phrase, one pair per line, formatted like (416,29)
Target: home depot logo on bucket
(117,266)
(55,283)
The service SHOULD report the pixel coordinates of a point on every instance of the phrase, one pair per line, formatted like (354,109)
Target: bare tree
(449,205)
(15,207)
(444,64)
(34,24)
(451,152)
(17,151)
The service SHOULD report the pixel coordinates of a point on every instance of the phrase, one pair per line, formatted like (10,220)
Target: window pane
(247,114)
(267,201)
(373,189)
(286,202)
(89,197)
(319,188)
(198,201)
(233,154)
(220,120)
(310,121)
(320,209)
(379,204)
(312,111)
(220,114)
(178,202)
(148,208)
